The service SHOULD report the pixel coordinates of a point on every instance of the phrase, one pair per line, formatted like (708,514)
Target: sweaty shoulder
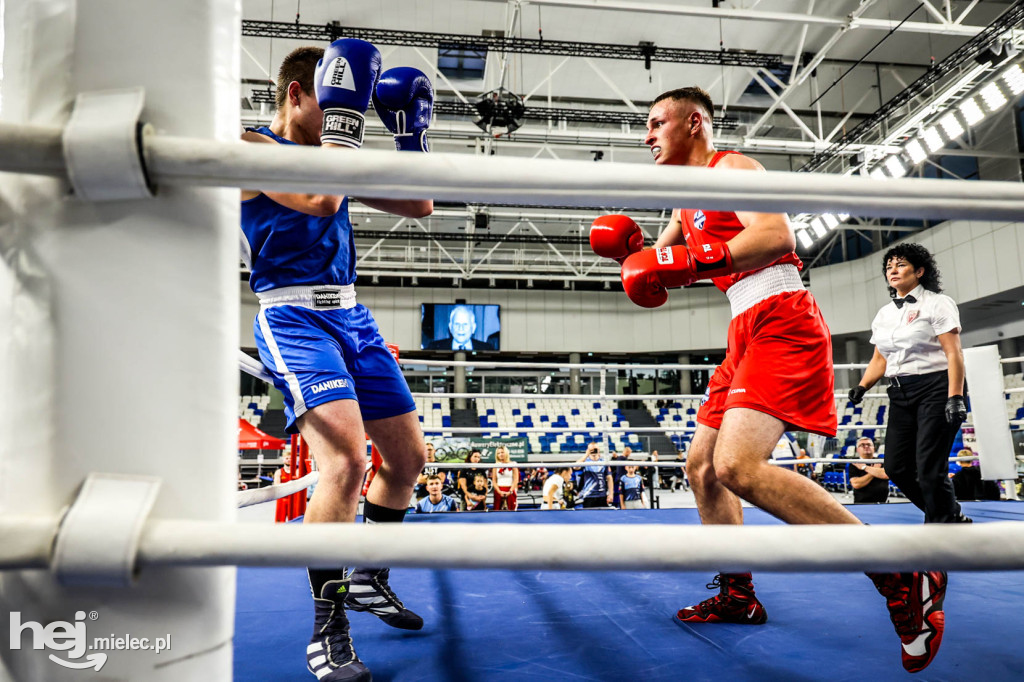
(739,162)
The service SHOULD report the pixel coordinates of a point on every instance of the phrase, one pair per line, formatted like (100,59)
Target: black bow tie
(900,301)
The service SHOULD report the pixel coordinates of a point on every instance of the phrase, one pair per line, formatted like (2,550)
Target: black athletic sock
(318,577)
(374,513)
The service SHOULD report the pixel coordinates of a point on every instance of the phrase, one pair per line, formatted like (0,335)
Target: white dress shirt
(907,337)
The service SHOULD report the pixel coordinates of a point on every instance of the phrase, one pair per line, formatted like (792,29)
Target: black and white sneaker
(369,591)
(330,655)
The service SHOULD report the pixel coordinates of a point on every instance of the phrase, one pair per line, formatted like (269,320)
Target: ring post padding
(99,536)
(102,148)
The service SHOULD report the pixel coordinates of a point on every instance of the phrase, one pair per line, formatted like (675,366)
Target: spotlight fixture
(993,96)
(830,221)
(951,126)
(529,284)
(805,239)
(499,108)
(1014,79)
(819,227)
(878,174)
(455,281)
(491,283)
(607,285)
(915,151)
(971,111)
(415,281)
(932,139)
(895,167)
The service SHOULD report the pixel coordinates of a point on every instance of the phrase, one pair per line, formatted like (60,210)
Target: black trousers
(917,444)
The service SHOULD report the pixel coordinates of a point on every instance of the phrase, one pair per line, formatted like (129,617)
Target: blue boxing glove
(344,83)
(404,100)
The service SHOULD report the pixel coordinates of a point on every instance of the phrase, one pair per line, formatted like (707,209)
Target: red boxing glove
(647,275)
(616,236)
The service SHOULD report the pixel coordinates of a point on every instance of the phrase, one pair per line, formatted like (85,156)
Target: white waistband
(320,297)
(763,284)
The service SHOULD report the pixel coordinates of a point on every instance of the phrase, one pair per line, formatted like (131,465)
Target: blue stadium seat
(531,406)
(446,420)
(574,411)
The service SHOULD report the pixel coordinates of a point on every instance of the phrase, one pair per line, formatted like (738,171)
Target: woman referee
(917,348)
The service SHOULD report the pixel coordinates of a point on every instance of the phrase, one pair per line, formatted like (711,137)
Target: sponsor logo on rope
(71,639)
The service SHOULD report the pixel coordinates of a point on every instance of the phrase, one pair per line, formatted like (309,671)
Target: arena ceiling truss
(814,85)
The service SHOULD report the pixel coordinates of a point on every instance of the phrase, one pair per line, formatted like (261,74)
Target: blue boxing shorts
(321,346)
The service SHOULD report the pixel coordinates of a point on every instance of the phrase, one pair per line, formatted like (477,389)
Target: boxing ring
(119,177)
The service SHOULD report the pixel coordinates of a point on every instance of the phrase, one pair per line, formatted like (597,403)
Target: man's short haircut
(434,477)
(693,94)
(299,65)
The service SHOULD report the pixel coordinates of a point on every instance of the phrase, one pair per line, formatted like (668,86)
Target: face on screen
(462,324)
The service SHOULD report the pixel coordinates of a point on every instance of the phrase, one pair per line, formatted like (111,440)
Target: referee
(917,348)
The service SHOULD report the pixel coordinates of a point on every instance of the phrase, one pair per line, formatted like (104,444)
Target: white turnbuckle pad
(103,146)
(99,536)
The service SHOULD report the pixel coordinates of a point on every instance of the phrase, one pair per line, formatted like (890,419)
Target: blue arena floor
(546,625)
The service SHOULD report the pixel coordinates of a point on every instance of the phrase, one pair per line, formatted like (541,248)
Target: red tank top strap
(719,156)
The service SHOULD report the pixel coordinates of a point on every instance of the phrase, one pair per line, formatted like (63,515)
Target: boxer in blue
(324,350)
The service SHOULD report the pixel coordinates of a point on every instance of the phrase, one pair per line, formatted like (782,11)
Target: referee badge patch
(912,315)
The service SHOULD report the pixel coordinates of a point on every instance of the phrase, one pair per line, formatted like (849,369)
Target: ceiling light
(529,284)
(843,217)
(915,151)
(607,285)
(819,227)
(830,221)
(895,166)
(878,174)
(491,283)
(932,139)
(1014,79)
(993,96)
(805,239)
(951,125)
(415,281)
(566,284)
(971,111)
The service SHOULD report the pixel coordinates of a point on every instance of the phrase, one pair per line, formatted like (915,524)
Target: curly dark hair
(919,257)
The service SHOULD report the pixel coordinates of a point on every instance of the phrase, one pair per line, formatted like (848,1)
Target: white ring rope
(180,161)
(247,498)
(595,547)
(660,464)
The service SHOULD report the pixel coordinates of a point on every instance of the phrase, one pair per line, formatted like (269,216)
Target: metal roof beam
(756,15)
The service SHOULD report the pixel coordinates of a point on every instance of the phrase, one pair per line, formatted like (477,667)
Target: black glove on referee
(857,395)
(956,409)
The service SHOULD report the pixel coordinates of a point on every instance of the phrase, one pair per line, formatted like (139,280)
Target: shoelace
(336,632)
(380,581)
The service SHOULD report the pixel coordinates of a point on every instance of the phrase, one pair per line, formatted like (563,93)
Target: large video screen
(460,326)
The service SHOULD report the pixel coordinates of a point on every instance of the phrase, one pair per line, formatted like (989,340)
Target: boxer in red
(777,374)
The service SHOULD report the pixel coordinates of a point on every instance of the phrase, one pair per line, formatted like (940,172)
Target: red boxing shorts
(779,361)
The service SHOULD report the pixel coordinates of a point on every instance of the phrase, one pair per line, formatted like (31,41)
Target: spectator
(655,473)
(618,471)
(554,488)
(595,479)
(627,452)
(869,482)
(431,469)
(631,490)
(505,482)
(466,476)
(476,493)
(679,473)
(968,483)
(436,500)
(917,348)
